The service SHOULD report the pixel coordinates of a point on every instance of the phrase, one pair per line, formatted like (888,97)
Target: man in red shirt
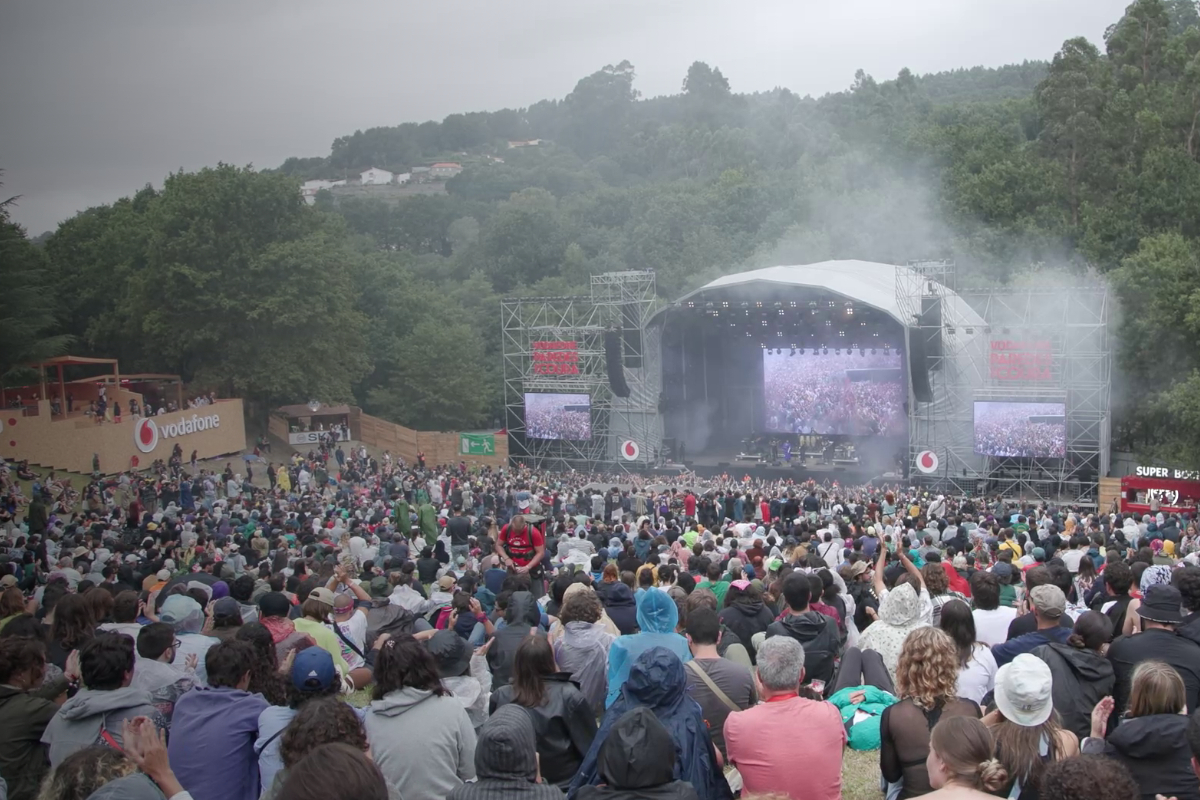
(689,505)
(761,740)
(520,546)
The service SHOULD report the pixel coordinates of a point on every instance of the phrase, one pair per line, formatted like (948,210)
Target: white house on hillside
(524,143)
(445,169)
(310,188)
(376,177)
(403,177)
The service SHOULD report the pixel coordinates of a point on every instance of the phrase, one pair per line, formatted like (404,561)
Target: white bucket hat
(1024,691)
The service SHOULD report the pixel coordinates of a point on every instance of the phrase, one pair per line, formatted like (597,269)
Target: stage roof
(860,281)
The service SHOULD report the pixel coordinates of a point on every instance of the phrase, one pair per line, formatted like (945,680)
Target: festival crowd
(348,627)
(807,394)
(1007,430)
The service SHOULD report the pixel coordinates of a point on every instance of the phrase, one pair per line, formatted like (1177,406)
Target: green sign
(477,444)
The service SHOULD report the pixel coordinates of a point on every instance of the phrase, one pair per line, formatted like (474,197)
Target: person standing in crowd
(720,686)
(214,728)
(759,739)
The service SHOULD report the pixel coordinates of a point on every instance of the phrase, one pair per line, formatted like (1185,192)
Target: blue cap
(313,670)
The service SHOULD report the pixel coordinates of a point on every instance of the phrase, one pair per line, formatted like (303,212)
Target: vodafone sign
(927,462)
(630,450)
(147,432)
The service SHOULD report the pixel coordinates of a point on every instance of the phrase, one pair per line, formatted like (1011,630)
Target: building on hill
(376,177)
(310,188)
(403,177)
(445,169)
(525,143)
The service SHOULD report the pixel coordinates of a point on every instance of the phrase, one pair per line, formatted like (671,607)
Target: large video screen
(851,394)
(1021,430)
(558,416)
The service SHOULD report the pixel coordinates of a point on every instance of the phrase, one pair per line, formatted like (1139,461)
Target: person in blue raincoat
(657,616)
(656,682)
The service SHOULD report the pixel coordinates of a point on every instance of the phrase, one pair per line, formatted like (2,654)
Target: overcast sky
(102,96)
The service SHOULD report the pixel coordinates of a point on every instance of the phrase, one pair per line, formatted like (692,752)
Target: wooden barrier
(439,447)
(1110,490)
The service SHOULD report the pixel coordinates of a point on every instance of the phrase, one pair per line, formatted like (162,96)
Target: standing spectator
(94,715)
(720,686)
(760,739)
(214,728)
(410,705)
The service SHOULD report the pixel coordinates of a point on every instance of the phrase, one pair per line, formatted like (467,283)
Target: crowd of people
(557,416)
(355,627)
(816,395)
(1009,430)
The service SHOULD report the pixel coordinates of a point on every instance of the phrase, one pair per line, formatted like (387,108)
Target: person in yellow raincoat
(283,479)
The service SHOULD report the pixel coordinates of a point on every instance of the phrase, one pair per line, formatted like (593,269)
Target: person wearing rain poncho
(899,615)
(187,618)
(657,616)
(656,684)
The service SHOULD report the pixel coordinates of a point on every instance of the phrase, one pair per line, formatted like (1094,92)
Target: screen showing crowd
(1021,430)
(558,416)
(855,394)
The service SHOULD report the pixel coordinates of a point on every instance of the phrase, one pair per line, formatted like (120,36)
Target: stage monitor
(854,393)
(558,416)
(1020,430)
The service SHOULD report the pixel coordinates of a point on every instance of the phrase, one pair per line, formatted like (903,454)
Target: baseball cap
(321,594)
(1049,600)
(313,670)
(446,583)
(226,607)
(1024,689)
(858,568)
(742,585)
(8,581)
(1161,603)
(163,575)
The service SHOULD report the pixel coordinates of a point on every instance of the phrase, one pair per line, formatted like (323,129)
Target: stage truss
(1073,320)
(619,301)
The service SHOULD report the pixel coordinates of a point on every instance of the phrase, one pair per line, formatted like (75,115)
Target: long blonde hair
(927,672)
(966,748)
(1156,688)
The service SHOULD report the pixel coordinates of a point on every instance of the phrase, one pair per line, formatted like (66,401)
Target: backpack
(389,619)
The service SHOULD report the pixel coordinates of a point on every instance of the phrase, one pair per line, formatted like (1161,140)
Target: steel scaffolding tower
(620,303)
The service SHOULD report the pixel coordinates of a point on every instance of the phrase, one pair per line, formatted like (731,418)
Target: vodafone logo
(630,450)
(146,432)
(927,462)
(145,435)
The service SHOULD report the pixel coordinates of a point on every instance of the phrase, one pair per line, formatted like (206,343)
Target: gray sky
(103,96)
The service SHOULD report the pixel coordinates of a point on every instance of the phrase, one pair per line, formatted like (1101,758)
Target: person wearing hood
(899,615)
(95,713)
(463,672)
(521,618)
(410,705)
(817,633)
(564,722)
(1082,676)
(186,617)
(155,672)
(506,762)
(657,683)
(657,617)
(583,645)
(621,607)
(1152,738)
(744,612)
(637,762)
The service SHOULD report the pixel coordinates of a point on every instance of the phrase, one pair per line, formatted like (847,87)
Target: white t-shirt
(354,629)
(991,627)
(978,677)
(1072,558)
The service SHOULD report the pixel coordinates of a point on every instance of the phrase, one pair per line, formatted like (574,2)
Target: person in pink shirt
(764,741)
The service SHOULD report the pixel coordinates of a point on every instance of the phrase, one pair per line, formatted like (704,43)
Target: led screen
(1021,430)
(558,416)
(854,394)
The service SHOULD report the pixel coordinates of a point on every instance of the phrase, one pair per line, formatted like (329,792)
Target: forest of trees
(1083,165)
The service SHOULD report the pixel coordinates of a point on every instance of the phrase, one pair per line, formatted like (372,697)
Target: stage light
(832,304)
(779,334)
(792,304)
(863,323)
(837,351)
(781,312)
(758,304)
(875,334)
(828,323)
(716,313)
(691,304)
(724,304)
(764,323)
(747,334)
(841,334)
(850,313)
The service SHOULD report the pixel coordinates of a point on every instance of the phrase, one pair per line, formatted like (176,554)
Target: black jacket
(564,724)
(1081,678)
(819,635)
(621,607)
(745,620)
(1156,751)
(506,762)
(637,762)
(1156,644)
(521,615)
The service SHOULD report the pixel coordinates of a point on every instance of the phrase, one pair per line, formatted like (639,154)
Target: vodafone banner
(147,432)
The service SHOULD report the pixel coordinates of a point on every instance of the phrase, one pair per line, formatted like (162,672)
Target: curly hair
(936,579)
(404,662)
(1089,778)
(927,672)
(582,606)
(320,722)
(264,671)
(83,772)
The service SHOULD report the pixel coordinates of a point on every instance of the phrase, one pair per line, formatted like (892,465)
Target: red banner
(1021,360)
(556,358)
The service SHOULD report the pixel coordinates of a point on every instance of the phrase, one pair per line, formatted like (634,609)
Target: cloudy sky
(102,96)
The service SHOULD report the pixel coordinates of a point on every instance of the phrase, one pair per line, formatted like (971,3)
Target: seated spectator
(962,763)
(720,686)
(186,618)
(155,671)
(315,621)
(215,726)
(656,681)
(94,715)
(85,772)
(637,762)
(563,721)
(657,617)
(24,714)
(312,677)
(926,682)
(336,771)
(991,618)
(506,760)
(816,633)
(1025,725)
(265,677)
(760,739)
(464,672)
(411,705)
(521,617)
(977,667)
(1088,778)
(326,720)
(273,610)
(1082,676)
(744,612)
(582,648)
(1152,739)
(1049,605)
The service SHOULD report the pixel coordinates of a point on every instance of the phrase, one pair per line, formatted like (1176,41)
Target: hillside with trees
(1083,164)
